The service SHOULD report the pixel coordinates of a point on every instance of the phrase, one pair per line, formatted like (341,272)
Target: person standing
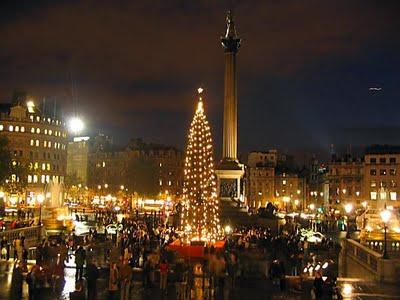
(113,282)
(4,248)
(80,256)
(92,274)
(318,285)
(163,276)
(16,283)
(126,277)
(79,293)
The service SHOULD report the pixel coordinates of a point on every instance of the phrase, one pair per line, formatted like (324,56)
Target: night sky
(305,68)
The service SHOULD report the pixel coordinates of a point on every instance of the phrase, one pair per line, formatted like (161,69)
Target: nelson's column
(229,171)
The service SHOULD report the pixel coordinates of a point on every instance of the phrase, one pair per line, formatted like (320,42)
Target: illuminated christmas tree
(200,217)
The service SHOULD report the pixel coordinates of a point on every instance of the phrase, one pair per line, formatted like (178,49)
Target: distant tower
(229,171)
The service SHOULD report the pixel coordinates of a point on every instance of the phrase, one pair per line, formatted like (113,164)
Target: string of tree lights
(200,216)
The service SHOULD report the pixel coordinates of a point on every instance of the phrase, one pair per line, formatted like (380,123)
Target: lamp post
(348,208)
(40,199)
(385,216)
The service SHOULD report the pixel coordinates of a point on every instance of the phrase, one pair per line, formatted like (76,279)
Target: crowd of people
(139,252)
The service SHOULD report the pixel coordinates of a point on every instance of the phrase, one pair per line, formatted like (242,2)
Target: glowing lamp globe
(385,215)
(40,198)
(228,229)
(348,208)
(76,125)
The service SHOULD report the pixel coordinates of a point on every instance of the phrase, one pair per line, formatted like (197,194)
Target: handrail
(365,248)
(27,232)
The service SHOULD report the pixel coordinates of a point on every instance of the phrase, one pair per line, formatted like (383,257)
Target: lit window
(48,167)
(47,178)
(37,130)
(44,144)
(393,196)
(382,171)
(36,165)
(37,143)
(33,130)
(284,182)
(373,195)
(32,142)
(38,118)
(49,144)
(1,127)
(382,195)
(50,132)
(104,164)
(22,129)
(16,128)
(160,182)
(169,183)
(43,179)
(35,178)
(29,178)
(43,166)
(45,131)
(31,117)
(10,128)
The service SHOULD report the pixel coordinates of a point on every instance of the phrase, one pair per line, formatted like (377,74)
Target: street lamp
(296,203)
(286,200)
(76,125)
(385,216)
(348,208)
(40,199)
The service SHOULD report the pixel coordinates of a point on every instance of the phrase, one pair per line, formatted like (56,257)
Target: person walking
(80,256)
(92,274)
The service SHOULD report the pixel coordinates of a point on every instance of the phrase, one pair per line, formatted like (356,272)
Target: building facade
(38,148)
(345,178)
(381,176)
(270,180)
(77,160)
(138,167)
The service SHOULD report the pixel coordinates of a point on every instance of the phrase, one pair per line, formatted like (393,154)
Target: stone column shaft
(229,148)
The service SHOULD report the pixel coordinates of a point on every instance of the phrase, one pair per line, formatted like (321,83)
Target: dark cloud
(136,64)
